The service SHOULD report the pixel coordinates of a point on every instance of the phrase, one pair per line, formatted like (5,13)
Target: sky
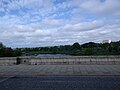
(39,23)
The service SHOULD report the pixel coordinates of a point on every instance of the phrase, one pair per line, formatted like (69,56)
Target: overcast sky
(36,23)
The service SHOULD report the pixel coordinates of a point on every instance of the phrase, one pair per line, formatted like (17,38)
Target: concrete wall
(8,61)
(75,60)
(100,60)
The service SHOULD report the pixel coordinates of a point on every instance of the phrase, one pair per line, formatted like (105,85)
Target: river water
(52,55)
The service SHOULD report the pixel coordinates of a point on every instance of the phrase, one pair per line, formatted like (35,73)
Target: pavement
(60,70)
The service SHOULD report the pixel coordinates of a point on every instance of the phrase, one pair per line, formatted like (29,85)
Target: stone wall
(8,61)
(68,60)
(75,60)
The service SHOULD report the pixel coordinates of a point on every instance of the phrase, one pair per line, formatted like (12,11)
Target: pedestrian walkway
(39,70)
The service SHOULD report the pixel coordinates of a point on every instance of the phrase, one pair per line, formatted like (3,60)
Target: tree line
(8,51)
(89,48)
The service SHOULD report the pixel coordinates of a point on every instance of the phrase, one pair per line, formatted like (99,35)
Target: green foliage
(88,51)
(76,46)
(1,45)
(90,48)
(76,49)
(8,52)
(17,52)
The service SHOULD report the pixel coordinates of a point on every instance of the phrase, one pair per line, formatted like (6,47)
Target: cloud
(30,23)
(108,7)
(84,26)
(32,35)
(51,23)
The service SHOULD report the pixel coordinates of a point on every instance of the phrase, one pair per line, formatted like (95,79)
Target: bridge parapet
(69,60)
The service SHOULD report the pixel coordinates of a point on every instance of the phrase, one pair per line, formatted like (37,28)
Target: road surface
(60,83)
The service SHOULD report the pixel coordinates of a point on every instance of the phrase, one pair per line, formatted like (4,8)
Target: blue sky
(36,23)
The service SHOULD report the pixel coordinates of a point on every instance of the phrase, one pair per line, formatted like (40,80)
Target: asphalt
(60,83)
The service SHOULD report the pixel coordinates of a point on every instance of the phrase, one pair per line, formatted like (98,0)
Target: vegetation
(90,48)
(8,52)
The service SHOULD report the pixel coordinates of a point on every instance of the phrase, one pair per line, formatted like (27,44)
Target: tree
(88,51)
(17,52)
(8,52)
(76,49)
(2,50)
(90,45)
(76,46)
(1,45)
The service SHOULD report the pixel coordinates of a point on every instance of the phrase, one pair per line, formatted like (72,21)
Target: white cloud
(108,7)
(84,26)
(33,35)
(44,23)
(52,23)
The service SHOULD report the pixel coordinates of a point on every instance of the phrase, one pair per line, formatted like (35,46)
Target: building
(106,41)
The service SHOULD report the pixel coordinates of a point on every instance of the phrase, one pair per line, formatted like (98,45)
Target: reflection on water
(51,55)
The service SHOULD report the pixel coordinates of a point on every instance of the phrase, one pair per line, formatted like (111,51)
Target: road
(60,83)
(60,77)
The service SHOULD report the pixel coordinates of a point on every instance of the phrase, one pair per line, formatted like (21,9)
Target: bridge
(61,60)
